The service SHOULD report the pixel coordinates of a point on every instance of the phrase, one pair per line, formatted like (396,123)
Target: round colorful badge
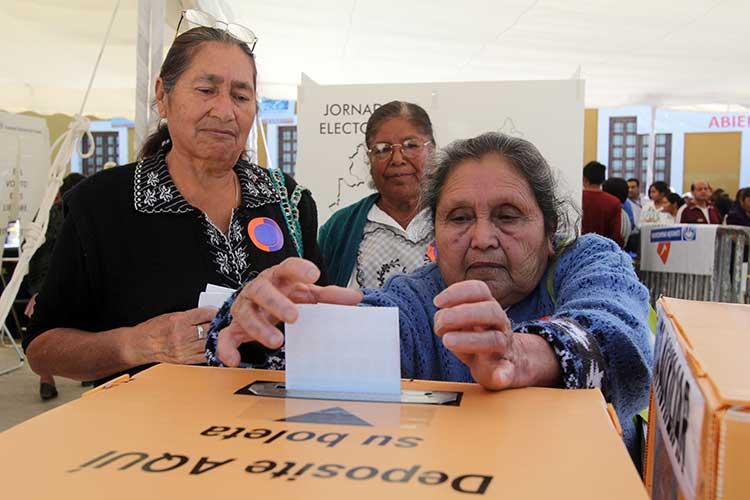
(431,251)
(265,234)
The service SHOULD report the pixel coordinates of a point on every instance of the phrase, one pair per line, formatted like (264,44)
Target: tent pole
(651,149)
(142,73)
(156,44)
(149,54)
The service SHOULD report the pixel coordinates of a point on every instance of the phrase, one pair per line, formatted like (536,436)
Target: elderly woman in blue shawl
(514,299)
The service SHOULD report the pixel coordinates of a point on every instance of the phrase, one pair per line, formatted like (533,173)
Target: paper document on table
(343,349)
(214,296)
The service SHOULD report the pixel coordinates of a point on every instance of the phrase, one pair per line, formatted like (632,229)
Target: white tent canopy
(687,52)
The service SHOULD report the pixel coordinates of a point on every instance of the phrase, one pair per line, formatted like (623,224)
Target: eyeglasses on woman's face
(410,148)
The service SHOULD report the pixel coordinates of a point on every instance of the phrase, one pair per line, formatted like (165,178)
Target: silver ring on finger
(201,332)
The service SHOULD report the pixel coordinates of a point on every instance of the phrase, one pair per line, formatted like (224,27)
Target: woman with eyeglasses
(385,233)
(141,241)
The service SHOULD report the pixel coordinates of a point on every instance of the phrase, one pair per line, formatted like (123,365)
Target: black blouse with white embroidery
(133,248)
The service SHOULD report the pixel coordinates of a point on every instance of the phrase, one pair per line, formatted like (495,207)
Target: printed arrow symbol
(662,249)
(330,416)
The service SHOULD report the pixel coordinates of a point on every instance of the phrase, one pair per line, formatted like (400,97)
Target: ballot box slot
(407,396)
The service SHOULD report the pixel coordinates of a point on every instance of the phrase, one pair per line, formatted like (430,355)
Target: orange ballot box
(195,432)
(699,425)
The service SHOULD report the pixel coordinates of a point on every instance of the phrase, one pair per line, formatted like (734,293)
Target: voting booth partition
(197,432)
(332,160)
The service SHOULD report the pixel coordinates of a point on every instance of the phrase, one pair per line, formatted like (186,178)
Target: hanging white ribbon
(35,234)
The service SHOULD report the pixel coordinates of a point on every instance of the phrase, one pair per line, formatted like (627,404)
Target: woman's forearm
(541,364)
(82,355)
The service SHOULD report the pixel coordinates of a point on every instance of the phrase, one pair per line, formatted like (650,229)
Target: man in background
(601,211)
(700,211)
(634,197)
(618,187)
(635,202)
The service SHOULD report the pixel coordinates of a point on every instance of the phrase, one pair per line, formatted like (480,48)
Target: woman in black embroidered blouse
(141,241)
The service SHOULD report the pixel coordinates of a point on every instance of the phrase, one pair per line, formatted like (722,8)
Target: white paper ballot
(214,296)
(344,349)
(211,288)
(213,299)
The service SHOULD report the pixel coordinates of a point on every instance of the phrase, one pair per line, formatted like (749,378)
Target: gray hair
(413,113)
(523,155)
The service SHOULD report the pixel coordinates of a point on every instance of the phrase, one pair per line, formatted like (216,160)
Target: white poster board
(681,248)
(331,159)
(24,167)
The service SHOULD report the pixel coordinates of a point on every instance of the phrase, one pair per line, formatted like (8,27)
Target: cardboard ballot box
(195,432)
(699,425)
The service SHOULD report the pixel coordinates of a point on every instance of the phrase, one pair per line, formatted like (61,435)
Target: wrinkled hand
(474,326)
(270,299)
(173,337)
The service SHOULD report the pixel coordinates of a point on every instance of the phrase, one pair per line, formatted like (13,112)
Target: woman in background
(739,215)
(674,202)
(385,233)
(653,211)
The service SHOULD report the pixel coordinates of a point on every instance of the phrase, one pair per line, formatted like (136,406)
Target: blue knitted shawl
(597,326)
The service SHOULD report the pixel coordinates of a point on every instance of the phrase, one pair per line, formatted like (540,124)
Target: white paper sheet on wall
(344,349)
(24,167)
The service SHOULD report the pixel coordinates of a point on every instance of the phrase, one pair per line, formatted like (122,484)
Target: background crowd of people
(616,208)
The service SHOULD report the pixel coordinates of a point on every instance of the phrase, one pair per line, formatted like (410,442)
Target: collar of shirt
(636,203)
(704,210)
(154,191)
(419,227)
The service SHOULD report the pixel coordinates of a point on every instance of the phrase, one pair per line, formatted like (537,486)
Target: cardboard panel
(182,432)
(733,481)
(718,336)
